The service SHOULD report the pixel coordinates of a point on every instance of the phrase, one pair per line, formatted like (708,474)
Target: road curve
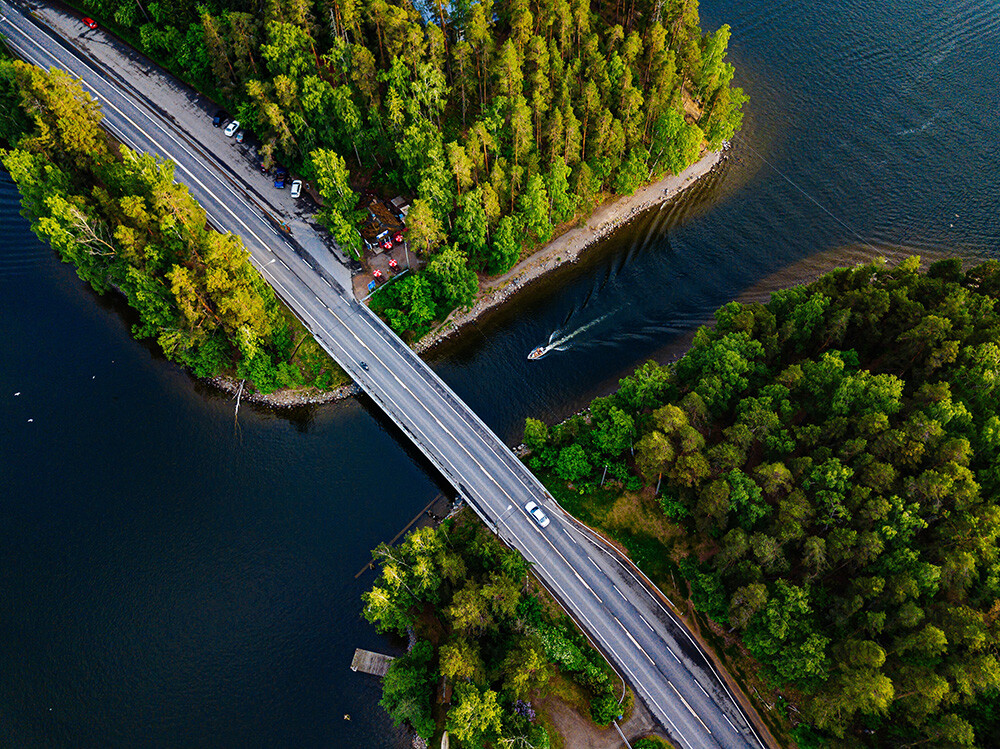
(641,638)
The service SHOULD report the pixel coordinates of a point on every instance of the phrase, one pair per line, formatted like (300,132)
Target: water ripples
(20,251)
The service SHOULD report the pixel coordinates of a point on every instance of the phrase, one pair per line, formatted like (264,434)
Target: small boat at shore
(538,353)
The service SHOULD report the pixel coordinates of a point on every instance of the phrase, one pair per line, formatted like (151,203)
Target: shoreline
(498,290)
(283,398)
(569,246)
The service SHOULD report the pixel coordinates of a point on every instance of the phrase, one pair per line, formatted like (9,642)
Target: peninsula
(502,126)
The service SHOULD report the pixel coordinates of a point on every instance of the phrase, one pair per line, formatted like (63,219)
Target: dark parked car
(279,182)
(218,119)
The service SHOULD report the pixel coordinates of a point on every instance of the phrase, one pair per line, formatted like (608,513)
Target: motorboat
(538,353)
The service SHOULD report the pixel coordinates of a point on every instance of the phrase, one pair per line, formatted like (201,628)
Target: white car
(231,128)
(296,188)
(536,512)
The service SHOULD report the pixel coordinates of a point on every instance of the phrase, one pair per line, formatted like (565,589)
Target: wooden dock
(370,663)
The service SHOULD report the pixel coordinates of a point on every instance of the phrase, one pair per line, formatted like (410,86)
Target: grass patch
(569,692)
(316,366)
(556,740)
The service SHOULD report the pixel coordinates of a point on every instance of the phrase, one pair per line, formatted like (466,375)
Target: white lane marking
(730,723)
(672,653)
(629,635)
(594,563)
(598,633)
(702,689)
(690,710)
(569,536)
(646,623)
(680,625)
(503,459)
(620,593)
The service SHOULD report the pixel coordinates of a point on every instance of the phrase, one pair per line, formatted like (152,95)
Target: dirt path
(569,246)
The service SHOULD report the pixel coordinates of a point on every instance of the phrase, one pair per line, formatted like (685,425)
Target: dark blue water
(168,577)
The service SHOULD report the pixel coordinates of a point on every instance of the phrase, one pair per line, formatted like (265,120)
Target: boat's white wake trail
(563,342)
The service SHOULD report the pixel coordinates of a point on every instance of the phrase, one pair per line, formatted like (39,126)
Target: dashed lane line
(690,710)
(629,636)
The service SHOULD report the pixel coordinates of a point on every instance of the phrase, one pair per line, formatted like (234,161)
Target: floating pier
(368,662)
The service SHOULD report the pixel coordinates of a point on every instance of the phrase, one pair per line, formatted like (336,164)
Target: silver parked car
(536,512)
(296,188)
(231,128)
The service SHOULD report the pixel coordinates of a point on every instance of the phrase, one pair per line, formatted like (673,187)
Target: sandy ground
(579,732)
(569,246)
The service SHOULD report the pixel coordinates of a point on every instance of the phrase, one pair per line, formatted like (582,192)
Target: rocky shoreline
(283,398)
(565,248)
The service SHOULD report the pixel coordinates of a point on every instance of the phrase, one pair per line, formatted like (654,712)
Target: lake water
(171,577)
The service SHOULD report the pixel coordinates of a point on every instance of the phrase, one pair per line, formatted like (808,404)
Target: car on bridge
(537,513)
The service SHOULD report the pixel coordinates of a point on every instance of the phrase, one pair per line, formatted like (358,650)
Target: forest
(502,121)
(122,221)
(827,464)
(484,642)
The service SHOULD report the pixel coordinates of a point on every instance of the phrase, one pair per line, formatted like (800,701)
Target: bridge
(611,602)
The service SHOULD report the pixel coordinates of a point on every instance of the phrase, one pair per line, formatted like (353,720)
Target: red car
(398,237)
(90,23)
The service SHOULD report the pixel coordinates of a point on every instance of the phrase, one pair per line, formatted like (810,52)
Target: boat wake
(562,343)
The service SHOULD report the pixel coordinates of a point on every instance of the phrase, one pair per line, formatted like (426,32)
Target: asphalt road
(622,615)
